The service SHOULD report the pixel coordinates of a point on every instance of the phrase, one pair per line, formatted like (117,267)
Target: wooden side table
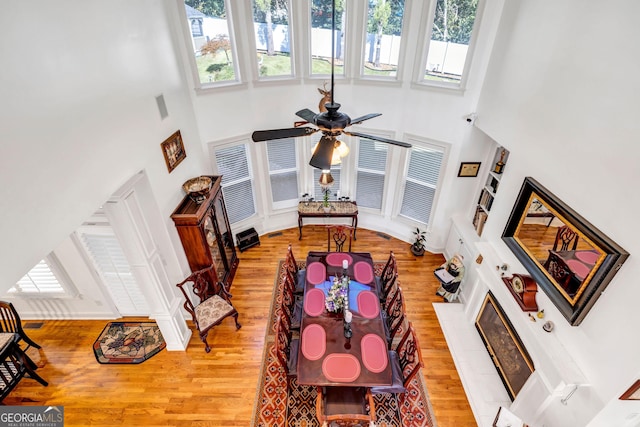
(337,209)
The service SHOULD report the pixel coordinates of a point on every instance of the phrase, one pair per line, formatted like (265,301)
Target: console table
(337,209)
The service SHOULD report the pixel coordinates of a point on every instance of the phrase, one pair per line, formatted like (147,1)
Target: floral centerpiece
(337,297)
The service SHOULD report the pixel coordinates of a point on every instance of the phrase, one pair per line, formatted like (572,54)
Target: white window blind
(421,183)
(45,278)
(114,268)
(283,171)
(372,163)
(237,183)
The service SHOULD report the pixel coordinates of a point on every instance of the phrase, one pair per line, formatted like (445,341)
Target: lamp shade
(326,179)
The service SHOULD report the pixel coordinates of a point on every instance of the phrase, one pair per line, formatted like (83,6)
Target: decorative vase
(326,209)
(417,251)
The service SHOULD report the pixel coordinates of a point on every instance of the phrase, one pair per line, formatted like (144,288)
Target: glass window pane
(421,183)
(271,27)
(237,184)
(450,38)
(369,190)
(213,48)
(284,186)
(383,38)
(283,171)
(321,25)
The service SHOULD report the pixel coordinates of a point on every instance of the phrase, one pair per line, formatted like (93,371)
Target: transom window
(383,38)
(47,278)
(321,25)
(448,51)
(214,51)
(273,37)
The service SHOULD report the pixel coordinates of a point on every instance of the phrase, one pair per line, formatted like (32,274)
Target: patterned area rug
(128,342)
(296,407)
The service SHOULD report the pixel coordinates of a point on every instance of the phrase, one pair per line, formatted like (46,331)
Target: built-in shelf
(490,188)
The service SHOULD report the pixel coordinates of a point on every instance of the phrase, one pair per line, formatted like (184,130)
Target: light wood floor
(194,388)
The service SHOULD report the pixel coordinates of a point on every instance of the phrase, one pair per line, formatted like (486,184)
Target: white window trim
(68,289)
(428,12)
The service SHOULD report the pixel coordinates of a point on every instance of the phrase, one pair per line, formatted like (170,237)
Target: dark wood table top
(338,361)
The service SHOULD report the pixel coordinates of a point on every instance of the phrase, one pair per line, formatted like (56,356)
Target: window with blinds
(46,278)
(370,173)
(283,172)
(421,183)
(237,181)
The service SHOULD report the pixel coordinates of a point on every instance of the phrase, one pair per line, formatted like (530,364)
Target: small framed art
(633,393)
(469,169)
(173,150)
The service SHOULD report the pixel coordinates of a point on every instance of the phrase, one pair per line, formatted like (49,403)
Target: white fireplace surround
(556,394)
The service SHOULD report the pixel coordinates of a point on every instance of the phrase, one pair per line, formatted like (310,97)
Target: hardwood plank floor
(194,388)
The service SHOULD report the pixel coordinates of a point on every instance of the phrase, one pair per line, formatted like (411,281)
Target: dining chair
(286,347)
(14,365)
(390,269)
(405,360)
(214,302)
(345,407)
(339,234)
(393,314)
(565,237)
(559,270)
(293,269)
(10,322)
(387,287)
(292,304)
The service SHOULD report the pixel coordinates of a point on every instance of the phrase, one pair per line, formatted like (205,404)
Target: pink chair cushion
(579,269)
(368,304)
(313,341)
(374,353)
(314,302)
(335,259)
(316,273)
(363,272)
(341,367)
(588,257)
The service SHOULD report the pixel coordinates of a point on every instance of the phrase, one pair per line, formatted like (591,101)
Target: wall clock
(524,289)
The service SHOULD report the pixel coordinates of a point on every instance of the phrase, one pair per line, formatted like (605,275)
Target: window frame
(428,16)
(67,287)
(426,144)
(213,147)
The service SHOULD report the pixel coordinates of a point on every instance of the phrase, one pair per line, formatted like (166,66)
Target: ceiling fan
(331,123)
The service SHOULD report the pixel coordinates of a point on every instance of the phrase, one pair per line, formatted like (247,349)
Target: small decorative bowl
(198,188)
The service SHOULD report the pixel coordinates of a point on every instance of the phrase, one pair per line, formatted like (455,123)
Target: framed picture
(469,169)
(173,150)
(633,393)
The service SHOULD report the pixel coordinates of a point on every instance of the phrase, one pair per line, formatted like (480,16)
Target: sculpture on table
(450,275)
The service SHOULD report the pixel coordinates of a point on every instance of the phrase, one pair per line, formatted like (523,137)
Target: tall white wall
(79,118)
(561,94)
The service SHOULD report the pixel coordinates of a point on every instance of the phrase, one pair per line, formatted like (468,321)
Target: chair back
(559,270)
(390,269)
(290,263)
(565,237)
(10,322)
(339,235)
(394,313)
(345,406)
(409,355)
(283,339)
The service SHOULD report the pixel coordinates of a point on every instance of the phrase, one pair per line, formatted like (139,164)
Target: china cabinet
(206,235)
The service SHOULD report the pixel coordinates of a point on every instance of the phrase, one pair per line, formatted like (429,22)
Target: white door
(112,266)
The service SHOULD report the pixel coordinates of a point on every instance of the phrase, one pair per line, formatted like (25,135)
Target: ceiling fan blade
(267,135)
(306,114)
(379,138)
(321,158)
(365,117)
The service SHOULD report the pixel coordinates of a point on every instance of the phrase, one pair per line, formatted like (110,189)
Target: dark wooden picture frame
(173,150)
(469,169)
(577,295)
(632,393)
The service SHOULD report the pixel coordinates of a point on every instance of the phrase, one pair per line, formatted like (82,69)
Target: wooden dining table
(325,356)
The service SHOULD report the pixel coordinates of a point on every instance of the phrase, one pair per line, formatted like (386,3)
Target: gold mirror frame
(573,276)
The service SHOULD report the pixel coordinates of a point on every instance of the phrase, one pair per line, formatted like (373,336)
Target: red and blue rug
(128,342)
(279,406)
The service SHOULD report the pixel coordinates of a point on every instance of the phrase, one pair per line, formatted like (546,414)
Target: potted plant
(325,200)
(420,240)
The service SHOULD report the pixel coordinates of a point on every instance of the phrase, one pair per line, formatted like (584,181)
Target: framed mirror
(570,259)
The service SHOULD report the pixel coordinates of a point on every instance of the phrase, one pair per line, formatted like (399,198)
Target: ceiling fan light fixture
(341,148)
(326,180)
